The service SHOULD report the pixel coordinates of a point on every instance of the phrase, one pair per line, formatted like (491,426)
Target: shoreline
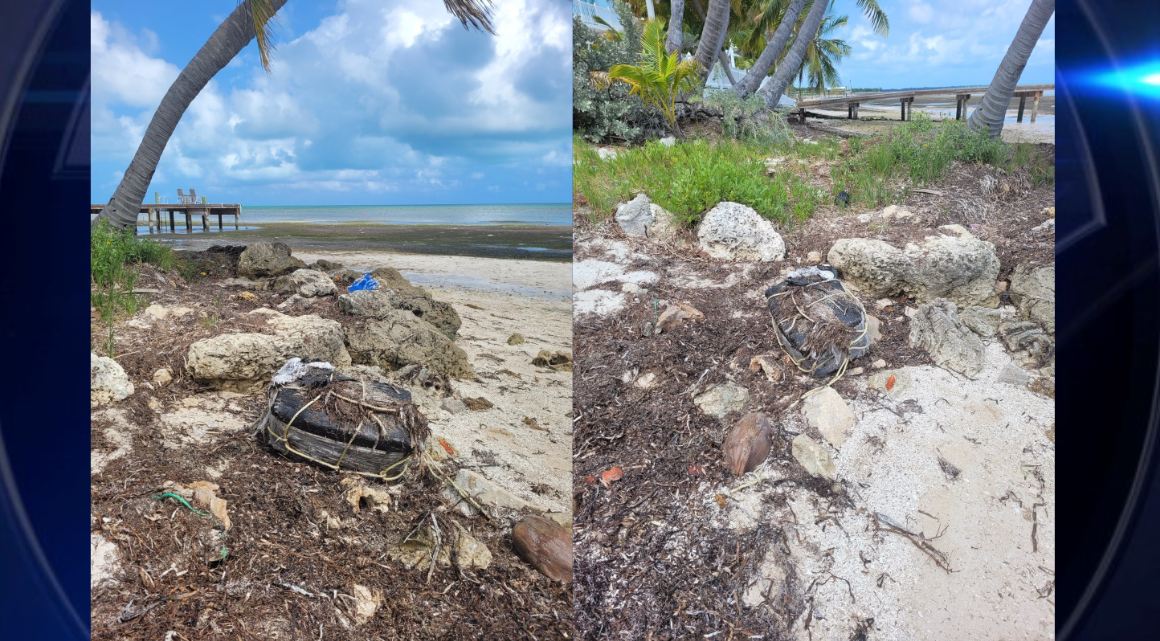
(541,243)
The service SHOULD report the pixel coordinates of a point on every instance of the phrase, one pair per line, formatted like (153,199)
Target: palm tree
(989,115)
(822,53)
(661,76)
(770,13)
(773,89)
(673,41)
(251,20)
(712,36)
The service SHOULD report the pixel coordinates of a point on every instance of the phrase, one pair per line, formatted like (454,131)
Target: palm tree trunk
(991,112)
(226,42)
(712,36)
(773,89)
(773,47)
(725,65)
(649,9)
(673,41)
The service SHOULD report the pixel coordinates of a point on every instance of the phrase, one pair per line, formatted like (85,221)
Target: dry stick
(918,541)
(381,410)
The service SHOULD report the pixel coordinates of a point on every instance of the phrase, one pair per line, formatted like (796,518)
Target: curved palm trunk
(773,47)
(712,36)
(989,115)
(773,89)
(673,41)
(226,42)
(649,9)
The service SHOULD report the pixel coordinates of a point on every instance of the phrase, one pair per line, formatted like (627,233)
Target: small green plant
(749,120)
(689,179)
(208,321)
(114,255)
(660,77)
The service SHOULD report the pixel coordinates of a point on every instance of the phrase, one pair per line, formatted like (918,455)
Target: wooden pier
(905,98)
(157,213)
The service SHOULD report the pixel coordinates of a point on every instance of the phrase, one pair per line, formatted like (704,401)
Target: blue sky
(369,102)
(936,43)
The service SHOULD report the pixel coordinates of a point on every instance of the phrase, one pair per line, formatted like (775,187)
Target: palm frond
(263,17)
(875,15)
(474,14)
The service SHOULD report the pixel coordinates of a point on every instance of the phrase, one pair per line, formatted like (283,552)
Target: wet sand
(527,242)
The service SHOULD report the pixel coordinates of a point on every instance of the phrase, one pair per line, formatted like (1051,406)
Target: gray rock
(515,339)
(668,141)
(829,414)
(372,303)
(814,258)
(401,338)
(1029,345)
(814,457)
(635,216)
(936,328)
(736,232)
(343,277)
(245,362)
(981,320)
(324,265)
(263,260)
(307,283)
(1014,375)
(873,329)
(879,380)
(162,377)
(108,382)
(960,269)
(390,278)
(1033,292)
(439,313)
(485,492)
(721,399)
(453,405)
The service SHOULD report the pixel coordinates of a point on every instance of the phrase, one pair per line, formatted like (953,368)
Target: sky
(369,102)
(939,43)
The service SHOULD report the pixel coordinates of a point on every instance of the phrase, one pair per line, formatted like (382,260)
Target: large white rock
(401,338)
(827,412)
(635,216)
(307,283)
(1033,292)
(736,232)
(244,362)
(107,380)
(960,269)
(721,399)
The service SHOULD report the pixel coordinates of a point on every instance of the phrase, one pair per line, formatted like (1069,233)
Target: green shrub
(114,256)
(604,111)
(688,179)
(748,120)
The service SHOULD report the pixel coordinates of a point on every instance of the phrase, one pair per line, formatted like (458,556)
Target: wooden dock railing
(156,214)
(905,98)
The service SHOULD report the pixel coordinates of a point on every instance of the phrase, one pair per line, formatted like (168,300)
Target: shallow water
(519,214)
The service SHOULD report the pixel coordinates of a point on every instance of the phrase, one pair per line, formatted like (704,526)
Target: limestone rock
(936,328)
(399,339)
(244,362)
(873,329)
(827,412)
(635,217)
(390,278)
(108,382)
(1029,344)
(1033,292)
(162,377)
(263,260)
(721,399)
(814,457)
(981,320)
(440,314)
(515,339)
(307,283)
(736,232)
(453,405)
(372,303)
(960,269)
(483,491)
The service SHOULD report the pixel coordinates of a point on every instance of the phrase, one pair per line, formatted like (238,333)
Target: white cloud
(921,12)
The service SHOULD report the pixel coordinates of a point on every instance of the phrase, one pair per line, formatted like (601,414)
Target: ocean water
(523,214)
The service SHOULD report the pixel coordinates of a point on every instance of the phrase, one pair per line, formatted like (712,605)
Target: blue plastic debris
(366,281)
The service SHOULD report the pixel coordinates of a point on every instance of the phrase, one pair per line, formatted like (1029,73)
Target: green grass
(920,151)
(114,256)
(691,177)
